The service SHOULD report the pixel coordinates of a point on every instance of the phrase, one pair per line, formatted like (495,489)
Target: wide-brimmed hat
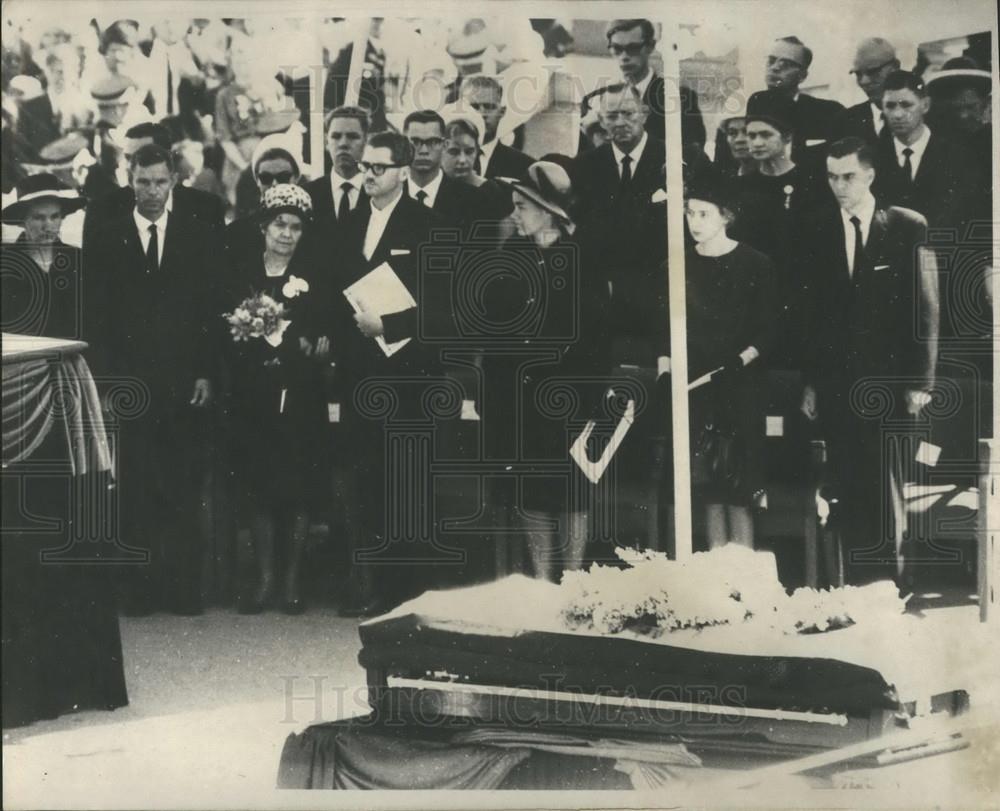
(285,198)
(111,90)
(63,150)
(275,121)
(773,107)
(37,188)
(469,43)
(548,185)
(958,73)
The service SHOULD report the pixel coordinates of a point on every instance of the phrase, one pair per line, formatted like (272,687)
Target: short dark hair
(424,117)
(120,32)
(399,146)
(482,81)
(151,155)
(359,114)
(905,80)
(807,54)
(853,145)
(150,129)
(648,32)
(462,126)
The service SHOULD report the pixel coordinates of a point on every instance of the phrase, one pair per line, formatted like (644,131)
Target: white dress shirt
(431,189)
(635,154)
(643,83)
(864,212)
(336,184)
(877,118)
(142,226)
(376,225)
(486,151)
(919,147)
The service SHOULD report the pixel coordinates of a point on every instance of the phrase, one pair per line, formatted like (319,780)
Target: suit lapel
(927,161)
(876,235)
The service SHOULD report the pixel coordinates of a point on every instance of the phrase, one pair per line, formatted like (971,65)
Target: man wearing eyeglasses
(815,120)
(631,43)
(874,60)
(456,204)
(390,230)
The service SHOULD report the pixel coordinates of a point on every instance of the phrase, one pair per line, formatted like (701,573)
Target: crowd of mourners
(157,185)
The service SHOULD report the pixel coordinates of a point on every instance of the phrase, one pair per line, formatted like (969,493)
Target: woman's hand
(322,348)
(305,346)
(369,323)
(808,406)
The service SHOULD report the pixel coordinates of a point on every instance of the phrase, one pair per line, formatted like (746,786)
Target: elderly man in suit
(149,316)
(455,204)
(340,192)
(814,119)
(874,60)
(484,94)
(917,168)
(872,352)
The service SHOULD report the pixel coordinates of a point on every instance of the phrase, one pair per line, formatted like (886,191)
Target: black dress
(730,306)
(275,399)
(39,302)
(545,365)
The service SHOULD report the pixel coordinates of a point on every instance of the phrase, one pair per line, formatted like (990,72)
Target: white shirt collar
(641,85)
(431,189)
(143,224)
(336,181)
(487,151)
(635,154)
(876,117)
(918,147)
(864,212)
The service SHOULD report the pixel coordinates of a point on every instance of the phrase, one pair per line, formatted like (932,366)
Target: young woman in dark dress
(276,401)
(555,303)
(41,274)
(731,320)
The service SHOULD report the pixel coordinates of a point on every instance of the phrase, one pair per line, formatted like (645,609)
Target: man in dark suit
(455,204)
(814,120)
(631,43)
(872,352)
(340,192)
(207,208)
(874,60)
(917,168)
(149,318)
(390,230)
(484,94)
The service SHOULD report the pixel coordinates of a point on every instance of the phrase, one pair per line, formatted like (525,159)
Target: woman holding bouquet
(276,403)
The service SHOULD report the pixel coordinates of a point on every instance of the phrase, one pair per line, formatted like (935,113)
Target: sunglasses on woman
(268,178)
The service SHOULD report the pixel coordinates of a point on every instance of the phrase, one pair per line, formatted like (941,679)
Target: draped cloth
(46,394)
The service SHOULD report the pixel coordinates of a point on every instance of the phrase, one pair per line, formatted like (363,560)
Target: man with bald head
(785,69)
(874,60)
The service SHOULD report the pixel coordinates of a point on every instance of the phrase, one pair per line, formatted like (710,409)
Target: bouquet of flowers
(258,316)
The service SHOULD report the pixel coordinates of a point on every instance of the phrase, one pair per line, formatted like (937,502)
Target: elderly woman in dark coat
(276,400)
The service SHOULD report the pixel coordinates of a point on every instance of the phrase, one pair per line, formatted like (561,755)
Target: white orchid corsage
(788,195)
(294,286)
(659,196)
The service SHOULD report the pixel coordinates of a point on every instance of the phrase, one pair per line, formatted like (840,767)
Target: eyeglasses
(630,48)
(430,143)
(377,169)
(614,115)
(871,73)
(267,178)
(781,63)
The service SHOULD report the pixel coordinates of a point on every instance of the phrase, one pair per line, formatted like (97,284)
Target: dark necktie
(170,89)
(152,251)
(907,164)
(859,247)
(626,172)
(345,201)
(422,197)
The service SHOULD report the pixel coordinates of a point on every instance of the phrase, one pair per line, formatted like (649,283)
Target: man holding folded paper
(376,329)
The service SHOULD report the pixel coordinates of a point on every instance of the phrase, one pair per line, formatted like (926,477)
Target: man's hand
(305,346)
(369,323)
(916,400)
(322,348)
(202,393)
(808,406)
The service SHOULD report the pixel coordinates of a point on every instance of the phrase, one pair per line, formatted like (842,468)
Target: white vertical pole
(317,85)
(357,63)
(678,303)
